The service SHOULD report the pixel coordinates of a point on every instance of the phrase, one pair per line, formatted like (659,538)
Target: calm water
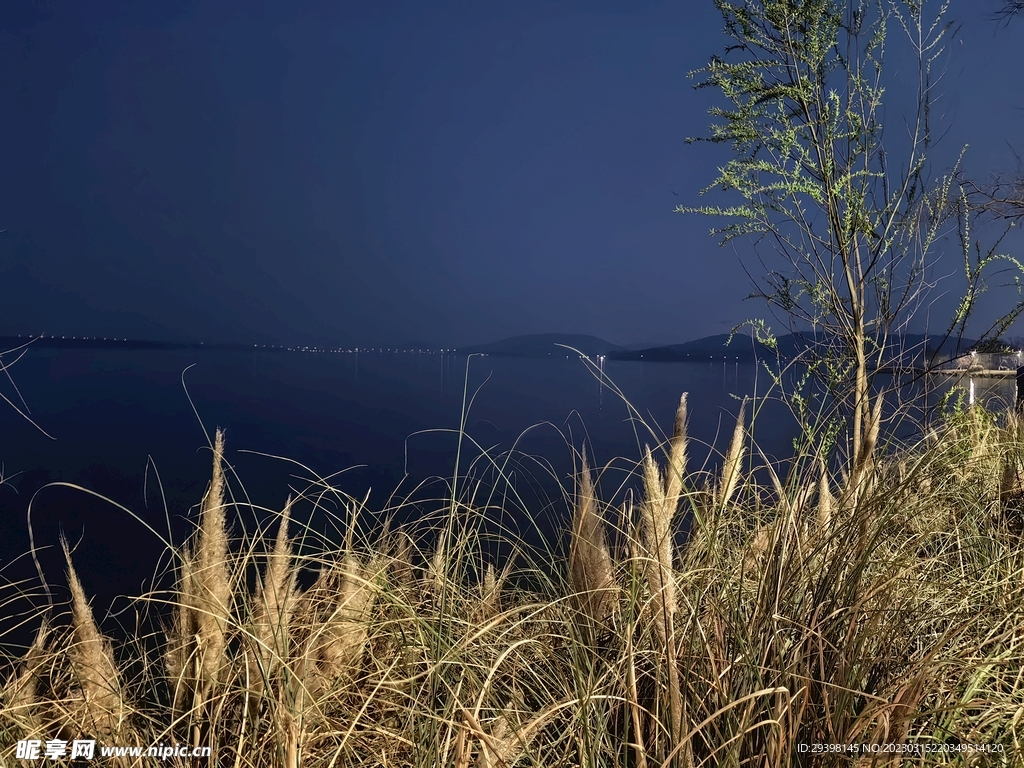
(385,422)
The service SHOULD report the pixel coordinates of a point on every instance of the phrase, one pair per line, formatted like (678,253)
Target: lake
(380,423)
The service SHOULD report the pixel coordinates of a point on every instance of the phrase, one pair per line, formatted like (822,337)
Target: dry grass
(94,703)
(769,628)
(590,562)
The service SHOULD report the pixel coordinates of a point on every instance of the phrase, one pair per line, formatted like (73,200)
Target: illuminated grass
(795,613)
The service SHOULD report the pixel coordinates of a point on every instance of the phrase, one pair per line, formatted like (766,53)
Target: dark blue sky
(361,172)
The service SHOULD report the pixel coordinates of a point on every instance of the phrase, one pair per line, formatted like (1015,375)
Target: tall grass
(717,620)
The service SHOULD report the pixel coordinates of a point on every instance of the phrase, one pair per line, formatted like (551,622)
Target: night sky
(382,172)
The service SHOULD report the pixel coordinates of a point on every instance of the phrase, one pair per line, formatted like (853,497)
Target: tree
(844,232)
(1003,194)
(1010,9)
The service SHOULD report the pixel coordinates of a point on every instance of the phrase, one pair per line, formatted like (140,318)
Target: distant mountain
(544,345)
(741,348)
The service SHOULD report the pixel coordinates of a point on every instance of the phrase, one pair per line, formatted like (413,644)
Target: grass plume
(273,608)
(99,707)
(590,562)
(779,634)
(21,695)
(731,467)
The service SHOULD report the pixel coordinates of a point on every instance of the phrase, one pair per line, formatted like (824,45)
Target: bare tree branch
(1010,9)
(1002,196)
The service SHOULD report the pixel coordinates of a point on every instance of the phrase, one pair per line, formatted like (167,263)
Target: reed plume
(501,747)
(273,609)
(92,663)
(661,501)
(211,582)
(338,643)
(590,561)
(436,577)
(657,514)
(656,540)
(676,470)
(21,694)
(490,594)
(733,459)
(195,657)
(401,567)
(504,744)
(760,543)
(181,633)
